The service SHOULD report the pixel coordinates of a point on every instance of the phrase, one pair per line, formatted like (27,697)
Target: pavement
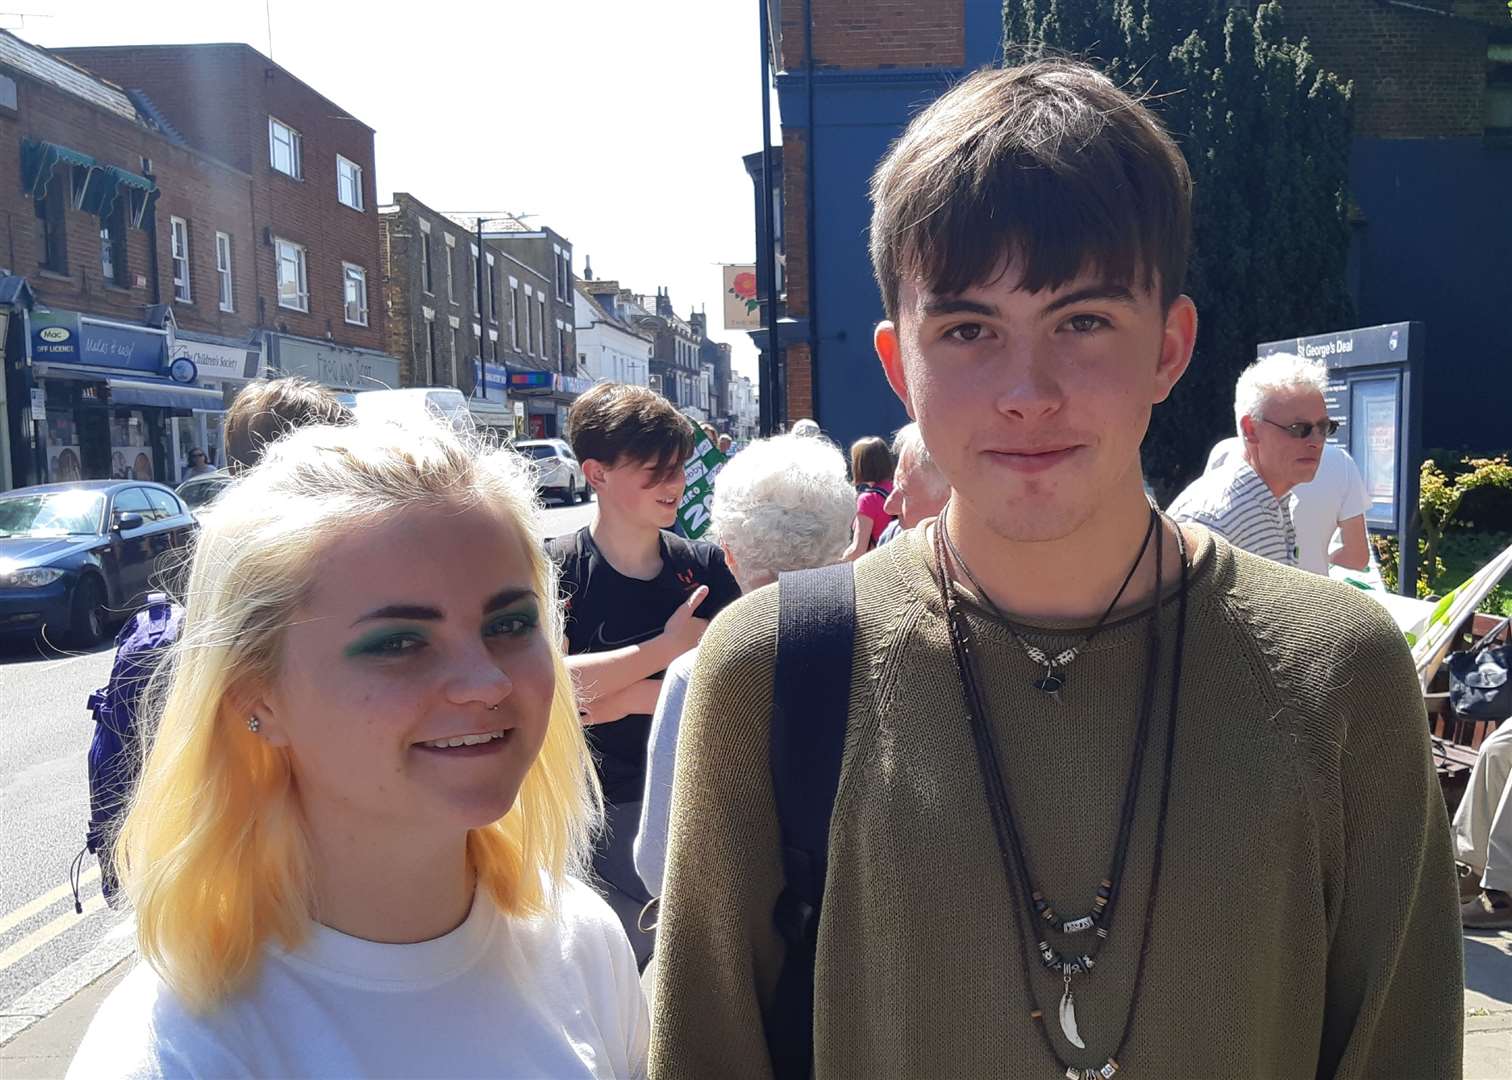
(43,1050)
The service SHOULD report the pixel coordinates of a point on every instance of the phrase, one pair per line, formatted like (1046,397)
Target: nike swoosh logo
(634,639)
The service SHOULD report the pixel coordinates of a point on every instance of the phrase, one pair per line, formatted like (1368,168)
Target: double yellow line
(45,933)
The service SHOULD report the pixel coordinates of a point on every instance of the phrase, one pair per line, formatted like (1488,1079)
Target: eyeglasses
(1302,429)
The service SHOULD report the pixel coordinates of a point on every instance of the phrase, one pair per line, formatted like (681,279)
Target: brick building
(713,358)
(125,249)
(676,366)
(430,296)
(314,210)
(532,277)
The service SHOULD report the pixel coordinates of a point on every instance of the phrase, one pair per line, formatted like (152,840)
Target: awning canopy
(108,183)
(164,394)
(39,160)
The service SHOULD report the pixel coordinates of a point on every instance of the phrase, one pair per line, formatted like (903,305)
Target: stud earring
(253,723)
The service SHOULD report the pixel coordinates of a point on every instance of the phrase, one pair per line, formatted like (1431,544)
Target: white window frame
(529,322)
(179,231)
(514,313)
(291,139)
(451,282)
(302,268)
(343,165)
(352,273)
(541,325)
(492,313)
(225,284)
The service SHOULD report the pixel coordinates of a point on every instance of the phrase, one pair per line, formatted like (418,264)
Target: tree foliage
(1267,134)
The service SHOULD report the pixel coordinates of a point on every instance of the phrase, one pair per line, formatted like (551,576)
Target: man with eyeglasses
(1283,426)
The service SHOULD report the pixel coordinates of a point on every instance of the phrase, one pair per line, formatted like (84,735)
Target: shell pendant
(1068,1017)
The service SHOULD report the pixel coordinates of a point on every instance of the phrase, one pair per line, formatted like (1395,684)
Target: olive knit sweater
(1306,923)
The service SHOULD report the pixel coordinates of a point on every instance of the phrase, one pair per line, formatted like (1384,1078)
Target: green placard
(697,504)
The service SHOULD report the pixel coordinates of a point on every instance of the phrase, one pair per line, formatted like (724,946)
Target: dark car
(76,557)
(197,493)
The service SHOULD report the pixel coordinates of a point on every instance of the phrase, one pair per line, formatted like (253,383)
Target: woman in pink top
(872,473)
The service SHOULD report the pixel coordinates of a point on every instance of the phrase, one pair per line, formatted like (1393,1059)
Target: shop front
(104,398)
(547,396)
(15,299)
(225,366)
(490,406)
(340,367)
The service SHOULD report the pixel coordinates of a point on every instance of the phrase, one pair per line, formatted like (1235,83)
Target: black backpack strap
(816,629)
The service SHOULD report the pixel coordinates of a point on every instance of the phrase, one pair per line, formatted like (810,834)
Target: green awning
(39,159)
(105,185)
(131,179)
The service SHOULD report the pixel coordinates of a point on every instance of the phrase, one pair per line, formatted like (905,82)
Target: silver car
(558,473)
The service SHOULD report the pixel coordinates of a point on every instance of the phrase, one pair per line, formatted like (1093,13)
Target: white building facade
(609,349)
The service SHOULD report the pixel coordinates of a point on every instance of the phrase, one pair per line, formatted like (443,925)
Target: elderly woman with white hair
(781,504)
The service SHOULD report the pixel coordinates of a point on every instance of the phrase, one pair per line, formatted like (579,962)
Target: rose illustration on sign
(743,288)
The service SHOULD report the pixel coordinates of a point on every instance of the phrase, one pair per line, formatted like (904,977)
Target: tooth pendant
(1068,1017)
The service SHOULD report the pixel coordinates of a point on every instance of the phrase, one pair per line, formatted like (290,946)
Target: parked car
(557,470)
(198,492)
(76,557)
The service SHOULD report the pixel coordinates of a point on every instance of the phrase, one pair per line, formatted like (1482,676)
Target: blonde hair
(214,850)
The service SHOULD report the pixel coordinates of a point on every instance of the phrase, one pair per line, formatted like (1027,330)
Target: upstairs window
(355,292)
(348,183)
(223,271)
(285,149)
(293,278)
(113,244)
(181,290)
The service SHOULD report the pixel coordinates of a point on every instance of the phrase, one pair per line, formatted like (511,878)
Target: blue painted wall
(1437,247)
(857,115)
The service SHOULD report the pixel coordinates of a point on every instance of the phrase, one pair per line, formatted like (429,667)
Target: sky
(619,124)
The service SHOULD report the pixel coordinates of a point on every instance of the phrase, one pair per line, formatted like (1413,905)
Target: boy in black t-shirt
(637,597)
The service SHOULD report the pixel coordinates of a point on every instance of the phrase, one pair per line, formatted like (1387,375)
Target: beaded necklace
(1054,678)
(1010,846)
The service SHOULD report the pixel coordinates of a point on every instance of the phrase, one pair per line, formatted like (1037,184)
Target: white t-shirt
(1334,495)
(497,997)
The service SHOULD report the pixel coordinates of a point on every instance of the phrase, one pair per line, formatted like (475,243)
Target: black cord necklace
(1010,845)
(1054,678)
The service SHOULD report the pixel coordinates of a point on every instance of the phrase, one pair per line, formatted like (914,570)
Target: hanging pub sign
(1375,392)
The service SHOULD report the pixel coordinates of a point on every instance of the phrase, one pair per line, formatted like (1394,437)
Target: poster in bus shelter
(698,497)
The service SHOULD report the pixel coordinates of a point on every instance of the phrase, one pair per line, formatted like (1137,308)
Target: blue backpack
(118,748)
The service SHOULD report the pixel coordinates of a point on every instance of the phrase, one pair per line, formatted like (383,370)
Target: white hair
(784,503)
(805,427)
(908,445)
(1271,375)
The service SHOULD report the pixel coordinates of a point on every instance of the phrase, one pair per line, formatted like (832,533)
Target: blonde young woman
(353,848)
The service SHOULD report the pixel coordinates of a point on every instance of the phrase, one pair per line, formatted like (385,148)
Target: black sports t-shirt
(607,610)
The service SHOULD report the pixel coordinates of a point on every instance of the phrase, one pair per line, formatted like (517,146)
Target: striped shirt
(1234,502)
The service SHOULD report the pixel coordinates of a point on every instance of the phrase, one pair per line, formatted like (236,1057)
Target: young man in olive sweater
(1267,890)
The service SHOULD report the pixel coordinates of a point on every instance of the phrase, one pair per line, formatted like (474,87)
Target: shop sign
(497,377)
(531,380)
(693,513)
(334,365)
(55,336)
(217,361)
(66,337)
(574,385)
